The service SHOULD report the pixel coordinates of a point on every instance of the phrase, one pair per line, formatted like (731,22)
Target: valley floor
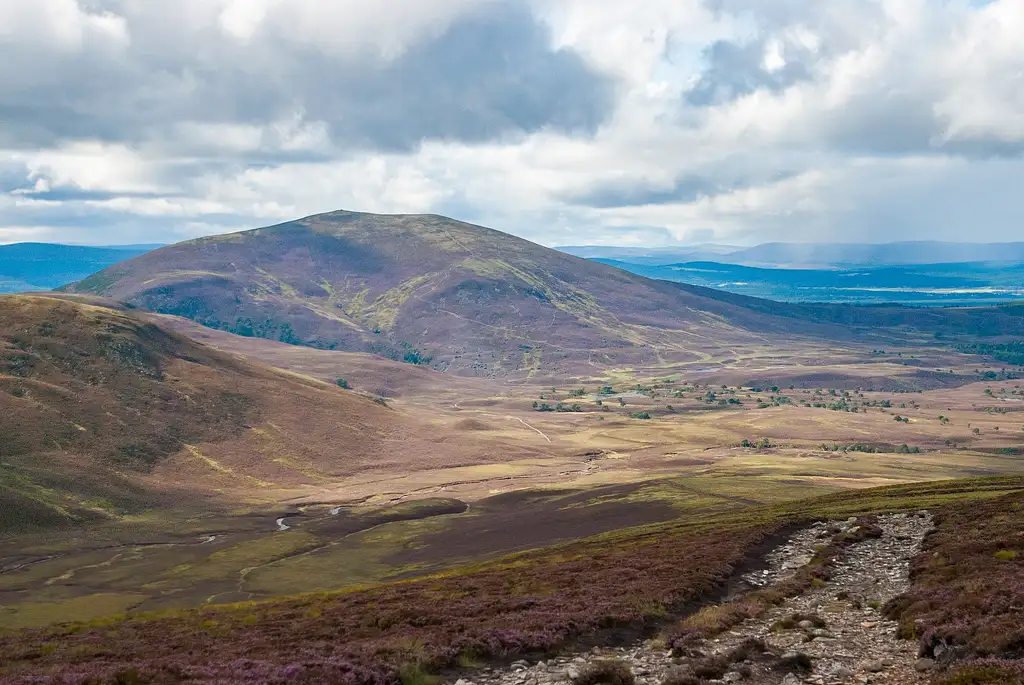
(491,475)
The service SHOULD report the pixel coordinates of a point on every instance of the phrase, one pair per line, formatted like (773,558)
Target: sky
(567,122)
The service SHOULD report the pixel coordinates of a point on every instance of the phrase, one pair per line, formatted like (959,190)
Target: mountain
(471,300)
(104,413)
(650,256)
(44,266)
(810,254)
(908,252)
(978,283)
(426,289)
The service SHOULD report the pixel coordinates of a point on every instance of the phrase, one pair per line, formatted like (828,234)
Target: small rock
(790,679)
(732,677)
(806,625)
(874,667)
(843,672)
(572,674)
(922,665)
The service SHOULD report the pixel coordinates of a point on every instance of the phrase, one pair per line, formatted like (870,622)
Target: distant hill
(954,284)
(104,413)
(428,290)
(911,252)
(650,256)
(467,299)
(811,254)
(44,266)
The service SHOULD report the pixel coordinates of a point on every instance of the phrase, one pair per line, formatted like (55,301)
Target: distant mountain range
(44,266)
(953,284)
(811,254)
(28,267)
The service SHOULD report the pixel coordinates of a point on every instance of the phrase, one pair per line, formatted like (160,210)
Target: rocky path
(835,628)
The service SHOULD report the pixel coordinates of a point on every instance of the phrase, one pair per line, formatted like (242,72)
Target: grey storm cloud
(491,73)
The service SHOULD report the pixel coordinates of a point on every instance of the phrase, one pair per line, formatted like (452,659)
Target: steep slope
(426,289)
(103,413)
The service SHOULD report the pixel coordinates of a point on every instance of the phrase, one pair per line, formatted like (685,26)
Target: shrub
(641,415)
(342,383)
(966,593)
(797,662)
(605,672)
(680,676)
(989,672)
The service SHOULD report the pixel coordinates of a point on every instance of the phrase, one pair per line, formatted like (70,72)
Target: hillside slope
(103,413)
(464,299)
(426,289)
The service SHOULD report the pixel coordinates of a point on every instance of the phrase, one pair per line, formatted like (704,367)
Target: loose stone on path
(848,642)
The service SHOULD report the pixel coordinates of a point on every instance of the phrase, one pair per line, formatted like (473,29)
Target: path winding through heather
(840,626)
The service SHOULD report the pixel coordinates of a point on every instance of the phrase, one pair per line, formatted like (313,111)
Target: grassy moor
(367,449)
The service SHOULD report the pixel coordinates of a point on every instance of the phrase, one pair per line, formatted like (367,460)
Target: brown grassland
(555,454)
(450,471)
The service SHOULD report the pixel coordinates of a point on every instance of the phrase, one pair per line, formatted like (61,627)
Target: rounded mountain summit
(431,290)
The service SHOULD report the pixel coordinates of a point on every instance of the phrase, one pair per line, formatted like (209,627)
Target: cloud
(565,121)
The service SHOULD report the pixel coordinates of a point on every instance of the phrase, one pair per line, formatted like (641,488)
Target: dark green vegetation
(966,603)
(919,285)
(1011,353)
(603,589)
(41,266)
(471,300)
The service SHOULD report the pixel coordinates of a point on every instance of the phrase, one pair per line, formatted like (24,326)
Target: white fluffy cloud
(565,121)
